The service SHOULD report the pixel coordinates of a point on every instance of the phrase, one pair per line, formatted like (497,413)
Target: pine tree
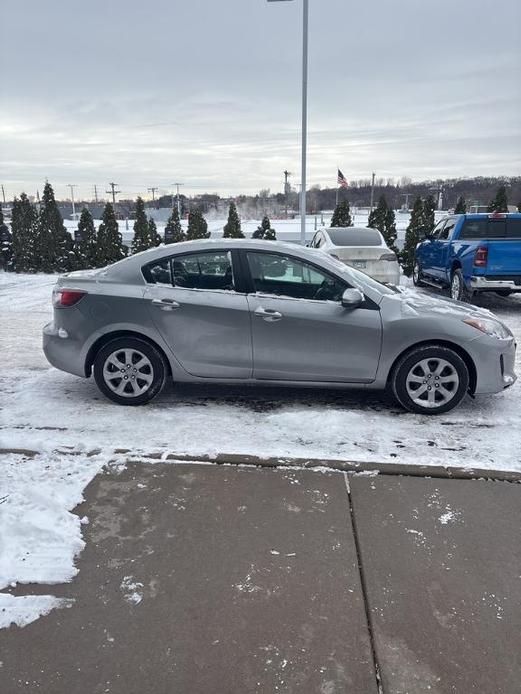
(141,240)
(461,206)
(232,229)
(389,233)
(174,231)
(342,215)
(377,216)
(23,228)
(110,245)
(153,234)
(6,244)
(500,202)
(519,206)
(197,226)
(86,244)
(429,207)
(54,245)
(412,236)
(264,231)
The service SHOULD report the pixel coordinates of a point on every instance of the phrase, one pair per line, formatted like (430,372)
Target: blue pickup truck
(471,253)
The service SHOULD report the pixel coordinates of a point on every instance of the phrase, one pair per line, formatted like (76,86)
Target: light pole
(305,24)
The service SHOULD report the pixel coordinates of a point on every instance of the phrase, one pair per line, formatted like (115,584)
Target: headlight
(489,327)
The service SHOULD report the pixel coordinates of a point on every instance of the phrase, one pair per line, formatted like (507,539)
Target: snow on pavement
(44,410)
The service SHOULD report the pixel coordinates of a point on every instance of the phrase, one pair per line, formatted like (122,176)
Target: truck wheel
(417,275)
(458,290)
(430,380)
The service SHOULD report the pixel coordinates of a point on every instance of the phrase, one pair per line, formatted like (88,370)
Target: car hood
(417,303)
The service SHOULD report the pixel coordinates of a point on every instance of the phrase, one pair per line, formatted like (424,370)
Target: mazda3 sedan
(263,312)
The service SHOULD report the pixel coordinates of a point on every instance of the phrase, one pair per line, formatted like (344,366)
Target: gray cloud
(209,93)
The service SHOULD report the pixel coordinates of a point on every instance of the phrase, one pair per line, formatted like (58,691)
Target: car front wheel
(430,380)
(130,371)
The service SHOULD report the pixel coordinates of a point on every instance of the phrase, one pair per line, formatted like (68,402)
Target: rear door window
(212,270)
(158,272)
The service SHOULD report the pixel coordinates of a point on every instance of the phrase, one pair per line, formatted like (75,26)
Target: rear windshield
(355,237)
(491,229)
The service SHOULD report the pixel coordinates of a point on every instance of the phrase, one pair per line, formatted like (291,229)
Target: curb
(403,469)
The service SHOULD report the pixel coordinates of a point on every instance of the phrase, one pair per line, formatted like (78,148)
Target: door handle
(269,314)
(166,304)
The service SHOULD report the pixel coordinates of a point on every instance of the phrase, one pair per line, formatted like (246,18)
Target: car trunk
(362,257)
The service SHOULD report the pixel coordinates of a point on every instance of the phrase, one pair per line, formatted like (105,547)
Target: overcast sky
(208,93)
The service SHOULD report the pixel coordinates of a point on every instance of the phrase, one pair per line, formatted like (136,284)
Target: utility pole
(287,189)
(96,194)
(153,191)
(3,193)
(177,194)
(372,190)
(72,186)
(114,192)
(406,196)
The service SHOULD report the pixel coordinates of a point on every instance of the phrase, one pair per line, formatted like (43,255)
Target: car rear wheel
(430,380)
(130,371)
(417,275)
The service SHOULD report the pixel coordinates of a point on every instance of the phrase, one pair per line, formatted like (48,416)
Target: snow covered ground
(73,432)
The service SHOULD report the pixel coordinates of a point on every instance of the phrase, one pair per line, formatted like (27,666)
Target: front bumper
(494,360)
(488,284)
(62,351)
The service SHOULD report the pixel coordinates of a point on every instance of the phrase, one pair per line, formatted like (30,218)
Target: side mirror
(352,298)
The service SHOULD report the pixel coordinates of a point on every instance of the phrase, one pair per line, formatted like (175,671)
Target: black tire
(405,368)
(151,376)
(457,289)
(504,292)
(417,275)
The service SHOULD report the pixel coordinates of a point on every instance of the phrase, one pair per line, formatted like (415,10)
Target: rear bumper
(61,351)
(492,284)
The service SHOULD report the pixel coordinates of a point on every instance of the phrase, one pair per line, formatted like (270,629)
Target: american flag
(342,180)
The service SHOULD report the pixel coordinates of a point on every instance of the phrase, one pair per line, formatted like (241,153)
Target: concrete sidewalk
(199,578)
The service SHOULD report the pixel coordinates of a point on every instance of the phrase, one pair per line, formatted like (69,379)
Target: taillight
(388,256)
(64,298)
(480,259)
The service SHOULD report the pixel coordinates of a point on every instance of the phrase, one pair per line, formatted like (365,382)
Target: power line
(113,192)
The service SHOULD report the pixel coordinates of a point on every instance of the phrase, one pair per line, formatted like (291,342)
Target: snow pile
(28,608)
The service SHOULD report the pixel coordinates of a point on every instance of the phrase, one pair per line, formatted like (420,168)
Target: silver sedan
(262,312)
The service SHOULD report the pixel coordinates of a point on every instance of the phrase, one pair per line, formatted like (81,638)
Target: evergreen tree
(429,207)
(500,202)
(264,231)
(141,240)
(86,243)
(153,234)
(110,245)
(342,215)
(54,245)
(519,206)
(23,228)
(197,226)
(377,216)
(412,236)
(174,231)
(232,229)
(6,244)
(389,233)
(461,206)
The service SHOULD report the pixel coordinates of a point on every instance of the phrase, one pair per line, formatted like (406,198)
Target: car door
(200,315)
(300,330)
(428,251)
(440,250)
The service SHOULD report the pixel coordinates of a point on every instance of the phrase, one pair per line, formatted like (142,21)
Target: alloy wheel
(128,372)
(432,382)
